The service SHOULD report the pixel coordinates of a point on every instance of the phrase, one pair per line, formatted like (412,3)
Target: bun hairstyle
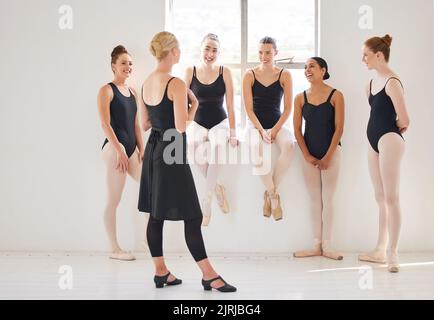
(211,36)
(162,43)
(117,51)
(269,40)
(380,44)
(323,64)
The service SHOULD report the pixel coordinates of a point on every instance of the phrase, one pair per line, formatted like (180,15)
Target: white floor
(94,276)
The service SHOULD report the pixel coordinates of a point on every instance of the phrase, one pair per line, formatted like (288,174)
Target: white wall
(52,185)
(52,177)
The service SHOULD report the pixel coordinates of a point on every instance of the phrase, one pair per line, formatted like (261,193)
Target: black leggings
(193,237)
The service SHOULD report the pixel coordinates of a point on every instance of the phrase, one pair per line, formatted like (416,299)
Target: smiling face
(210,51)
(313,71)
(123,66)
(266,53)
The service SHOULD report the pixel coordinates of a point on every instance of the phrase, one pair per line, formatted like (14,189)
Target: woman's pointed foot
(392,263)
(220,193)
(334,255)
(328,252)
(122,255)
(308,253)
(206,209)
(276,208)
(376,256)
(267,205)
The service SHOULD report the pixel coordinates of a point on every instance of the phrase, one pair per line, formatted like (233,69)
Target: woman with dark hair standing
(322,108)
(387,122)
(167,189)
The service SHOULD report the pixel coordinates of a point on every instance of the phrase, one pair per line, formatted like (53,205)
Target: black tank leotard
(266,102)
(122,119)
(382,119)
(210,96)
(319,126)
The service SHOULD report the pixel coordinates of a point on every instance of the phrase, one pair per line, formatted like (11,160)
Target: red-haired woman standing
(387,122)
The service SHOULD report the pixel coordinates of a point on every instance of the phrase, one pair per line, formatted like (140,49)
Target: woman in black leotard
(387,122)
(167,189)
(123,148)
(211,84)
(263,89)
(322,108)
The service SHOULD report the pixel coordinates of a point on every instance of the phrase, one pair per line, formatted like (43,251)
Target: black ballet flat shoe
(225,288)
(160,281)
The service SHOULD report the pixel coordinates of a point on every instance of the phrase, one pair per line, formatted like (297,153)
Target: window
(240,24)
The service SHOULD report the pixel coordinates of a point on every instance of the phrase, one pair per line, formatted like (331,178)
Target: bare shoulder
(286,76)
(177,84)
(106,91)
(395,80)
(248,75)
(394,86)
(226,71)
(337,94)
(298,98)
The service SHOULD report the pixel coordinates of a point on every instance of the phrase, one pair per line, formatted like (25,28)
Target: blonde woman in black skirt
(167,189)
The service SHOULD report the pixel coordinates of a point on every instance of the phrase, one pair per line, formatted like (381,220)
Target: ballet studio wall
(52,183)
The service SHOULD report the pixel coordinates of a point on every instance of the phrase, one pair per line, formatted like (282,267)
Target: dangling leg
(312,177)
(329,179)
(286,146)
(199,136)
(378,255)
(201,150)
(218,137)
(115,187)
(262,166)
(391,147)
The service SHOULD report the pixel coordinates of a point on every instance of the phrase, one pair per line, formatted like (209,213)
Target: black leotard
(266,102)
(319,126)
(382,119)
(210,96)
(122,119)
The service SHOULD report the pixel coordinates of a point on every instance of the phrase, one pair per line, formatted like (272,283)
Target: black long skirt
(167,189)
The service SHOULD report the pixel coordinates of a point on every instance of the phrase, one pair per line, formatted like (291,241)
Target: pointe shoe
(123,256)
(392,263)
(206,209)
(267,205)
(277,211)
(225,288)
(221,198)
(160,281)
(315,252)
(374,257)
(307,253)
(329,253)
(333,255)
